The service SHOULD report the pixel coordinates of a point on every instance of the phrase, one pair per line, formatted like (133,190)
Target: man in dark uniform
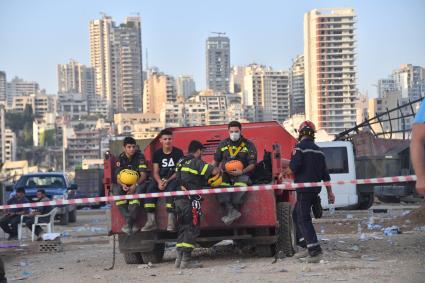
(308,164)
(164,180)
(236,147)
(9,222)
(30,218)
(192,173)
(134,160)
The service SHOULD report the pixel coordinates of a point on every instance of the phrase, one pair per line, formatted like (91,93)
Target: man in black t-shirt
(9,222)
(164,179)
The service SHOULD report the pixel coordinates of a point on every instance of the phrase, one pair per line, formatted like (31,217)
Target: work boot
(311,259)
(231,216)
(187,261)
(150,223)
(126,229)
(301,254)
(178,258)
(171,227)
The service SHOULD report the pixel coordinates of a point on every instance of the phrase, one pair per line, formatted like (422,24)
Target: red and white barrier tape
(283,186)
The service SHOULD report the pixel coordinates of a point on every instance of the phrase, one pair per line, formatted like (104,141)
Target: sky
(35,36)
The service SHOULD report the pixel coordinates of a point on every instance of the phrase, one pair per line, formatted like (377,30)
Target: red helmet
(307,128)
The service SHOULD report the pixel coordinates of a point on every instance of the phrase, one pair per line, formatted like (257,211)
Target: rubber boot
(178,258)
(150,223)
(171,227)
(187,261)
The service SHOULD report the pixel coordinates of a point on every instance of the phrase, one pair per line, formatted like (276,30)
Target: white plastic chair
(50,225)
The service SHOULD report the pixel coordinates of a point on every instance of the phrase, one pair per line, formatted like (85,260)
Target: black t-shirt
(167,162)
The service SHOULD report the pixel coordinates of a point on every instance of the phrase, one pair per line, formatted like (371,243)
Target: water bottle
(359,229)
(331,209)
(370,216)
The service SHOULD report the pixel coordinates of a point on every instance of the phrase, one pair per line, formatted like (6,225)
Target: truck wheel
(64,218)
(133,258)
(263,250)
(72,216)
(366,200)
(286,229)
(154,256)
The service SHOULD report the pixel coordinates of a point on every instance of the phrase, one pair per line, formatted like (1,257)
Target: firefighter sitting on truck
(238,156)
(192,173)
(131,173)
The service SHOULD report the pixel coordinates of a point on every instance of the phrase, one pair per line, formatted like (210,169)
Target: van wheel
(286,238)
(64,218)
(366,200)
(133,258)
(154,256)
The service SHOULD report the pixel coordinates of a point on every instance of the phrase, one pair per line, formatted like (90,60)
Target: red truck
(266,220)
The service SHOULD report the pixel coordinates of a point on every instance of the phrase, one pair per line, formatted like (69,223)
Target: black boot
(188,262)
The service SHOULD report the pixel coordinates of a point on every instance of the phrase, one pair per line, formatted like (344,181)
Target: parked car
(57,187)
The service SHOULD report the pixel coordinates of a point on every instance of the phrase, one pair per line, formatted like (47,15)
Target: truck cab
(57,187)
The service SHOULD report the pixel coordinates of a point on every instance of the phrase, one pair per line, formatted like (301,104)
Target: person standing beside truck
(417,152)
(129,159)
(164,180)
(308,164)
(235,148)
(192,173)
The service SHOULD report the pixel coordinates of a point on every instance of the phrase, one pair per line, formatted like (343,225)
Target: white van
(341,166)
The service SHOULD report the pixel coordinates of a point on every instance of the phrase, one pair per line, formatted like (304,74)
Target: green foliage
(21,125)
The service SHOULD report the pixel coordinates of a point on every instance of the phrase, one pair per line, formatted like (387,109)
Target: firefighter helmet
(307,128)
(128,177)
(215,180)
(233,165)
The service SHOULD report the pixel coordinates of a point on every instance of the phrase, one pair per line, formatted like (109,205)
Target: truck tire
(154,256)
(72,216)
(133,258)
(286,229)
(366,200)
(64,218)
(264,250)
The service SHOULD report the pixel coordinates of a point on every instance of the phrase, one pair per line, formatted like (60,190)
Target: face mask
(235,136)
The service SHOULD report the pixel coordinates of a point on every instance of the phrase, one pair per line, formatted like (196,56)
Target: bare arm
(417,155)
(156,173)
(248,168)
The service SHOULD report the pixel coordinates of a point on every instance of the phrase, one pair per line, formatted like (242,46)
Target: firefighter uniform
(192,173)
(308,165)
(244,151)
(128,208)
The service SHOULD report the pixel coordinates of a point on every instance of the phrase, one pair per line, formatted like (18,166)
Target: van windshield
(336,159)
(42,182)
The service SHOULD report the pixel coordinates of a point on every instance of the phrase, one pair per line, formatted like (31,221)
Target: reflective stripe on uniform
(240,184)
(225,184)
(309,150)
(121,202)
(142,166)
(149,205)
(185,245)
(224,148)
(169,205)
(190,170)
(204,169)
(134,201)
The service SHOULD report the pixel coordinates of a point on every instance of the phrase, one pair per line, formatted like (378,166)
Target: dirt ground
(351,254)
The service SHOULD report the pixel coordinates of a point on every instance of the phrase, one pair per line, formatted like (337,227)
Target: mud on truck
(266,221)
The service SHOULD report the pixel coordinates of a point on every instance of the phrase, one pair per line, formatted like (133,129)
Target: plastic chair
(50,225)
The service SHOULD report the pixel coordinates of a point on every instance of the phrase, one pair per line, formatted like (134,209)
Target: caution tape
(283,186)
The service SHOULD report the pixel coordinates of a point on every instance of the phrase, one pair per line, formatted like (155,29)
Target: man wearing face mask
(236,147)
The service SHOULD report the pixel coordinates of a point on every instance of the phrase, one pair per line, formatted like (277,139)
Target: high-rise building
(19,87)
(185,86)
(330,71)
(296,86)
(386,86)
(217,57)
(75,78)
(267,91)
(409,80)
(116,57)
(159,89)
(236,79)
(3,84)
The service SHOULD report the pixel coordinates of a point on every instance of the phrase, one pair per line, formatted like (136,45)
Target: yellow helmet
(215,180)
(128,177)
